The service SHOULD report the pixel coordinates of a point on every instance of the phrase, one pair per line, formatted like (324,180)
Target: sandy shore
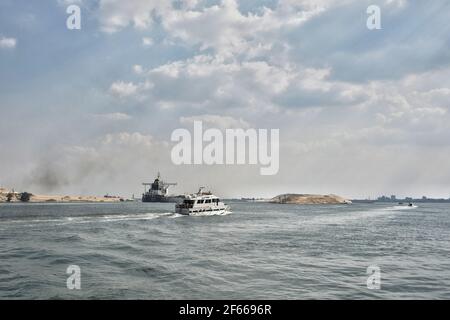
(15,197)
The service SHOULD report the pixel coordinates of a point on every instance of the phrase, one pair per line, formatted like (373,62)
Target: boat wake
(130,217)
(207,214)
(399,207)
(357,216)
(175,215)
(91,219)
(109,218)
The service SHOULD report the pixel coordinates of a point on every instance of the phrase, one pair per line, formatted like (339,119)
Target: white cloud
(397,3)
(213,82)
(216,121)
(69,2)
(228,30)
(123,89)
(116,116)
(147,42)
(8,43)
(138,69)
(117,14)
(134,139)
(231,32)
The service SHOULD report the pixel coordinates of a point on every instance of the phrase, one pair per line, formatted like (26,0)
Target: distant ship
(158,191)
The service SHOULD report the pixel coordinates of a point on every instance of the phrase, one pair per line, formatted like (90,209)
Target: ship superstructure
(157,191)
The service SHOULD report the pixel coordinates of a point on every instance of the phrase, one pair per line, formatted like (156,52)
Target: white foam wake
(356,216)
(90,219)
(399,207)
(204,214)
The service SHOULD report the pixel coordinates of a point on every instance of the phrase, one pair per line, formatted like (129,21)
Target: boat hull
(201,211)
(158,198)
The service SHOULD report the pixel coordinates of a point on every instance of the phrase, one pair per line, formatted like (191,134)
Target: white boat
(201,203)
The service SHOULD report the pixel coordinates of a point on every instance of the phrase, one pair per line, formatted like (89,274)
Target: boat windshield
(188,203)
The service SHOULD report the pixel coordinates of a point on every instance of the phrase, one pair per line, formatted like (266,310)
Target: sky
(361,112)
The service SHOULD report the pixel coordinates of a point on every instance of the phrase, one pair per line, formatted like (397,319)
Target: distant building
(423,199)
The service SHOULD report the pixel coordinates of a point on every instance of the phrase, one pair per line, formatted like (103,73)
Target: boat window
(188,203)
(199,201)
(208,201)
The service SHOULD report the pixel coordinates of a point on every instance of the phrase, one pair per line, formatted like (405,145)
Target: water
(260,251)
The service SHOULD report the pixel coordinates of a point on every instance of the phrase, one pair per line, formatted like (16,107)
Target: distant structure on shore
(393,198)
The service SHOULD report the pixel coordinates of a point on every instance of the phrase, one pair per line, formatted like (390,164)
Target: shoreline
(8,196)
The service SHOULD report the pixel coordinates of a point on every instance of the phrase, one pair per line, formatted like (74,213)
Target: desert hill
(309,199)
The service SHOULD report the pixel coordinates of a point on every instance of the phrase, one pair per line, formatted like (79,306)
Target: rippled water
(260,251)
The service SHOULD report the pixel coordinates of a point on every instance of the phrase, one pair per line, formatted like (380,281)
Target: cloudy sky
(361,112)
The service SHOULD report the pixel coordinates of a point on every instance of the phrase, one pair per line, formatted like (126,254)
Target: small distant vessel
(158,191)
(201,203)
(405,204)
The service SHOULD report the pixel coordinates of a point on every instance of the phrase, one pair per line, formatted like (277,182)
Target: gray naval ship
(157,191)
